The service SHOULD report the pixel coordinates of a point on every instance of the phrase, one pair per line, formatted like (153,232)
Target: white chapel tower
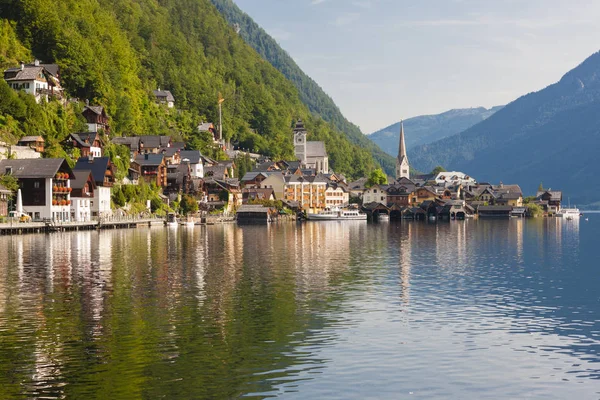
(402,166)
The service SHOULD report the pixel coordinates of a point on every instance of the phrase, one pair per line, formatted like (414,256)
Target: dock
(18,228)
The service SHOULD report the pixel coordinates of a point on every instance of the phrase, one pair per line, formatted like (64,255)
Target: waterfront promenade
(16,228)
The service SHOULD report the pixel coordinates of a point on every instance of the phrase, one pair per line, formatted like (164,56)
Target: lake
(467,309)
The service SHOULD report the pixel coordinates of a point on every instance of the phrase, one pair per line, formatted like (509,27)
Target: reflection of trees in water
(146,309)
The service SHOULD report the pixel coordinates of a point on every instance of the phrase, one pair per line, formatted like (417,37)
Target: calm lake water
(462,310)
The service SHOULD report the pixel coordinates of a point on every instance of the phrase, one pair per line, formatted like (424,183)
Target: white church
(402,166)
(312,155)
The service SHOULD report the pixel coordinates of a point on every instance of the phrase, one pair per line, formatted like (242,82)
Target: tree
(437,170)
(377,177)
(541,187)
(188,204)
(9,182)
(535,210)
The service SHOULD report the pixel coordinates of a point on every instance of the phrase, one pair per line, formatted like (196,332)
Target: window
(36,185)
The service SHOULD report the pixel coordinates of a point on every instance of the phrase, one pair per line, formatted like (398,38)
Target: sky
(386,60)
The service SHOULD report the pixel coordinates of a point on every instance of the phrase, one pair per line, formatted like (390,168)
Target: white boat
(383,218)
(568,213)
(336,214)
(171,220)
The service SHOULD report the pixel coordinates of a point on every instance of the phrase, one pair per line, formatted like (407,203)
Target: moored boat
(336,214)
(568,213)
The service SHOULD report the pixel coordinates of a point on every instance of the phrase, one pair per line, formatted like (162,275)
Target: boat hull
(318,217)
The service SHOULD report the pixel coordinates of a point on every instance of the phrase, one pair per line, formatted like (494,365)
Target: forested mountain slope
(311,93)
(115,52)
(551,136)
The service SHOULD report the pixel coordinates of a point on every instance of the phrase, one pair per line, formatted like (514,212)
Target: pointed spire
(401,145)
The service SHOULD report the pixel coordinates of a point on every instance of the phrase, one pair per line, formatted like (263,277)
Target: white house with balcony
(45,186)
(39,80)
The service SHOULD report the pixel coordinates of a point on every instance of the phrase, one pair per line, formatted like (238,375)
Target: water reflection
(313,310)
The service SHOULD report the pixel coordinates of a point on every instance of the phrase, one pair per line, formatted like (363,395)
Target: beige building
(308,191)
(336,196)
(375,194)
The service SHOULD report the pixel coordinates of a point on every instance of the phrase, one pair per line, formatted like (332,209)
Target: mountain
(115,52)
(429,128)
(311,93)
(550,136)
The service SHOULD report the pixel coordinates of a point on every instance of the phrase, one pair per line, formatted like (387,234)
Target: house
(400,193)
(336,195)
(552,198)
(88,143)
(96,118)
(218,171)
(455,210)
(179,179)
(82,195)
(310,153)
(222,194)
(357,188)
(422,194)
(131,142)
(33,142)
(194,159)
(250,195)
(45,186)
(494,211)
(103,172)
(153,143)
(171,155)
(207,127)
(164,97)
(19,152)
(453,178)
(152,168)
(275,181)
(308,191)
(375,194)
(255,214)
(39,80)
(5,195)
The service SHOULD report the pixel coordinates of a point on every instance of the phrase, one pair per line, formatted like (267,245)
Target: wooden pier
(18,228)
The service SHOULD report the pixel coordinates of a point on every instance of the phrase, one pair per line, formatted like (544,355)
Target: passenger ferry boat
(336,214)
(569,213)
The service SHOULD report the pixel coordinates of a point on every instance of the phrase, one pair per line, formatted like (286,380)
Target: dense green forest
(310,92)
(115,52)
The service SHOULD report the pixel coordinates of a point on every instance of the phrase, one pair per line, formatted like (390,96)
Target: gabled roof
(154,141)
(149,160)
(81,138)
(205,126)
(35,167)
(98,166)
(81,177)
(194,156)
(28,139)
(315,149)
(28,73)
(133,142)
(166,94)
(95,109)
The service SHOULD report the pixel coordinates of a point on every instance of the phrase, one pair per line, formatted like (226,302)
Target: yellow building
(308,191)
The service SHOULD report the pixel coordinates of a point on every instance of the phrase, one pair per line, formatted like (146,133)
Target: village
(50,189)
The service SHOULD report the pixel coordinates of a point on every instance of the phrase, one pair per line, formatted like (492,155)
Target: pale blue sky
(383,60)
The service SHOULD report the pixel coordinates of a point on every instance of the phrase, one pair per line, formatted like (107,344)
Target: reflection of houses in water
(319,250)
(405,263)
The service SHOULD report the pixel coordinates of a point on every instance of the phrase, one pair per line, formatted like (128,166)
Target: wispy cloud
(317,2)
(490,20)
(346,19)
(363,4)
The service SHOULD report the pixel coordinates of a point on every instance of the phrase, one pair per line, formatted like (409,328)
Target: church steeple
(402,166)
